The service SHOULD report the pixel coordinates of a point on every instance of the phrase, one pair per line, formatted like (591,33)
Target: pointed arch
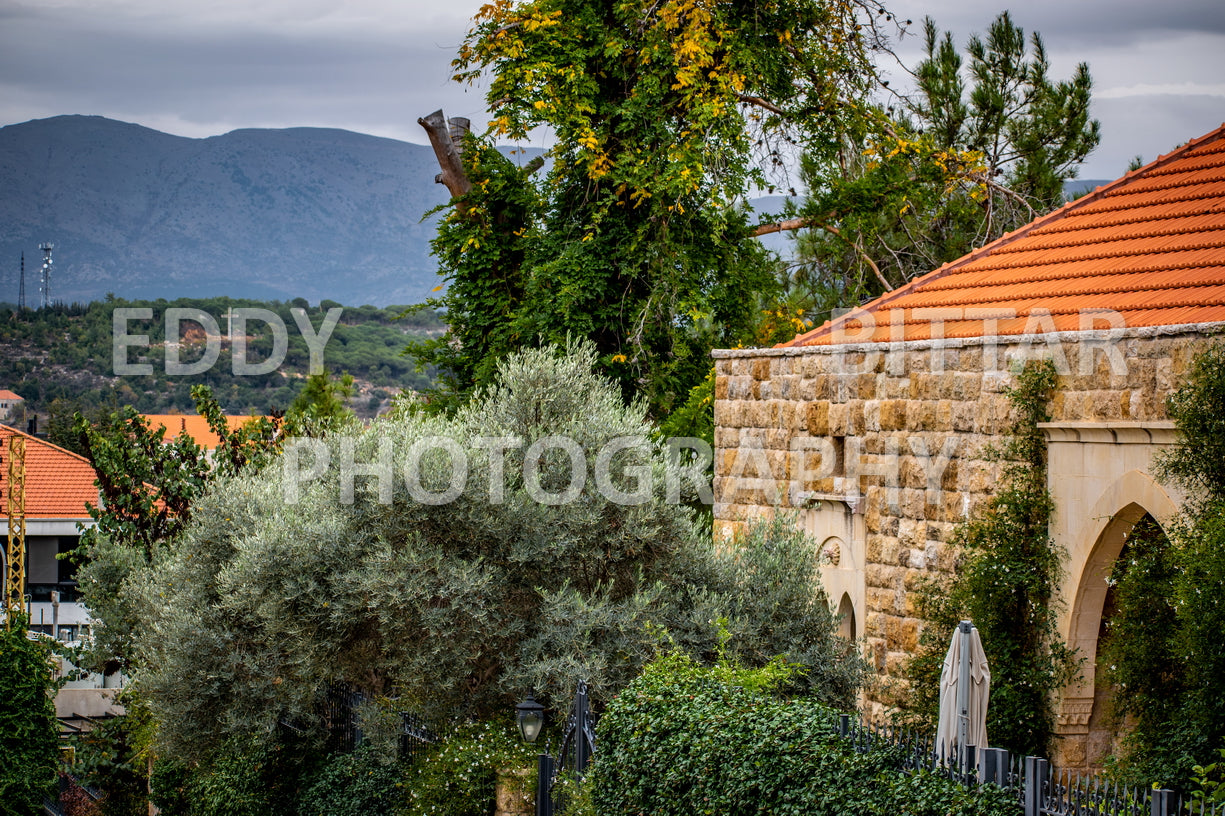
(847,625)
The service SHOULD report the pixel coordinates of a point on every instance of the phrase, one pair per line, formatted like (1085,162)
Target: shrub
(459,777)
(250,778)
(354,784)
(683,739)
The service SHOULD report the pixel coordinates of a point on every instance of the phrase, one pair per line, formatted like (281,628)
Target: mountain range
(267,214)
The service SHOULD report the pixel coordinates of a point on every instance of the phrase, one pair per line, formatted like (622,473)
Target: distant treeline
(65,354)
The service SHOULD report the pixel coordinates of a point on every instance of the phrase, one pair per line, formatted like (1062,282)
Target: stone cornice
(853,502)
(1112,432)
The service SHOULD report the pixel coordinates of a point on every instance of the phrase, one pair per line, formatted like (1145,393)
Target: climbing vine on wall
(1005,583)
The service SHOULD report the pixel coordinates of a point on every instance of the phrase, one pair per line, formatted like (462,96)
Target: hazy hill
(303,212)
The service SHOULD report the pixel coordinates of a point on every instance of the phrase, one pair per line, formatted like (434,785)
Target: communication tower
(46,282)
(21,287)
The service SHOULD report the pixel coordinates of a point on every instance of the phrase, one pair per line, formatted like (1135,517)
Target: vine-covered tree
(636,238)
(979,148)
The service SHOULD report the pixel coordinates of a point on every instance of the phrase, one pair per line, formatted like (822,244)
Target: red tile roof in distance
(58,482)
(5,394)
(1148,249)
(195,425)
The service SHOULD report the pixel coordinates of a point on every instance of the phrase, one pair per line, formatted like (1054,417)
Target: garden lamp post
(530,715)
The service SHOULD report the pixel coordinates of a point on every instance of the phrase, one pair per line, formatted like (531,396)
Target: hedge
(683,739)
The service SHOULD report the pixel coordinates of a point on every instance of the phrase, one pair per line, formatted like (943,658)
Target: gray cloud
(1077,23)
(374,66)
(213,77)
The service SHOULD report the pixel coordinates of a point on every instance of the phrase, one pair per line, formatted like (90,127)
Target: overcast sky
(210,66)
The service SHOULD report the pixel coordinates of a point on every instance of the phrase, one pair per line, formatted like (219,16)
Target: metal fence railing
(1040,790)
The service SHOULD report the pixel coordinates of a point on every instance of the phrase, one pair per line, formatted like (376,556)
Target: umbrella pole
(963,692)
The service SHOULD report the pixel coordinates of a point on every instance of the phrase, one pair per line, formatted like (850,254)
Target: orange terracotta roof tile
(195,425)
(1145,250)
(58,482)
(8,395)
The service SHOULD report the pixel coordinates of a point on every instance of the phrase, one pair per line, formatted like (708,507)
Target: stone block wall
(900,434)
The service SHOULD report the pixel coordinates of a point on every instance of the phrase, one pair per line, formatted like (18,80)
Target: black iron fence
(339,712)
(573,756)
(1039,789)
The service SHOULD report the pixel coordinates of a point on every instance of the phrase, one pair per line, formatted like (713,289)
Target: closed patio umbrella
(965,686)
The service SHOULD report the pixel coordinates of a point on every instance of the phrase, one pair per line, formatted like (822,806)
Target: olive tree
(536,537)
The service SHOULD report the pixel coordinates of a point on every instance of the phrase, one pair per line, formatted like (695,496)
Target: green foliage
(110,757)
(950,169)
(250,778)
(168,787)
(1005,585)
(1197,462)
(29,741)
(357,783)
(637,238)
(696,416)
(458,778)
(460,608)
(481,252)
(60,359)
(684,739)
(146,483)
(1210,780)
(1136,657)
(773,606)
(320,406)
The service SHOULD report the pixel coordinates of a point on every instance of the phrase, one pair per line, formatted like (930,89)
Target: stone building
(874,427)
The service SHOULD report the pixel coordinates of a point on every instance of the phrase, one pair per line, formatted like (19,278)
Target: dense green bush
(252,778)
(459,777)
(29,745)
(684,739)
(358,783)
(168,787)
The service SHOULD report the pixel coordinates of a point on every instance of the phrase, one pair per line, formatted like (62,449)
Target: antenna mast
(46,284)
(21,288)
